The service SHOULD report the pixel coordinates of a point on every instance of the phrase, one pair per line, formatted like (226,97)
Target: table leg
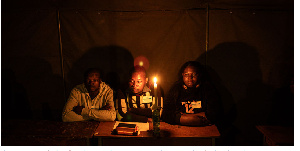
(213,142)
(88,143)
(100,143)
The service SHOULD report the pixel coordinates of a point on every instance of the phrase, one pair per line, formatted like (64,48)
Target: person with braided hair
(192,100)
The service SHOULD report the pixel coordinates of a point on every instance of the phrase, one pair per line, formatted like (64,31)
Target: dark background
(250,53)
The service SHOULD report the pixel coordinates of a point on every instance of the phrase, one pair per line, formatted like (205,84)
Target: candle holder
(156,122)
(156,112)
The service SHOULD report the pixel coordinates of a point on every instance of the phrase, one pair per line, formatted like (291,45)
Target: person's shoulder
(106,87)
(80,88)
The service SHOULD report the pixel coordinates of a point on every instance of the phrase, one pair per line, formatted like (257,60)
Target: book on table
(126,129)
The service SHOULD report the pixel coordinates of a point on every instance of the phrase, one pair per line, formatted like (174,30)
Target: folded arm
(106,113)
(69,114)
(193,120)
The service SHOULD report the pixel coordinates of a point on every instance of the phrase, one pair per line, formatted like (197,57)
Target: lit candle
(155,91)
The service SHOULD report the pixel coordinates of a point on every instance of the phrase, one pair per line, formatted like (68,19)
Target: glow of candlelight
(141,63)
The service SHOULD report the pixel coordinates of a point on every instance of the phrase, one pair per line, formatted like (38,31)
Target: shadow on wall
(114,61)
(234,68)
(282,112)
(31,90)
(14,100)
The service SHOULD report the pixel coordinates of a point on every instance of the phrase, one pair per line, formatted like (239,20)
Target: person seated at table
(135,105)
(91,100)
(192,100)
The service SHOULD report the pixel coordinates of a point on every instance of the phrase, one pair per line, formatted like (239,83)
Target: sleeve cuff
(85,112)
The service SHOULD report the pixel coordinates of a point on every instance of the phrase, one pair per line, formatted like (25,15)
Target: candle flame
(155,80)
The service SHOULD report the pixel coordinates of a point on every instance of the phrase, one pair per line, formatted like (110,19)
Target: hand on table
(78,109)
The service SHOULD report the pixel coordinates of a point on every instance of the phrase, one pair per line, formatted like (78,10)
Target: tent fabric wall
(250,53)
(30,59)
(145,5)
(167,39)
(252,4)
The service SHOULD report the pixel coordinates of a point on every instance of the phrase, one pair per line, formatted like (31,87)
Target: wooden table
(46,133)
(277,135)
(171,135)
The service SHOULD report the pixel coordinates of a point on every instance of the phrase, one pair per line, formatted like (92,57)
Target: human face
(190,76)
(92,82)
(137,82)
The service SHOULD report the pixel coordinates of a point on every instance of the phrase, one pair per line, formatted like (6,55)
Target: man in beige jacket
(91,100)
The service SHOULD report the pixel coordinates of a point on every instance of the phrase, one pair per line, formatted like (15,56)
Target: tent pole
(61,53)
(206,32)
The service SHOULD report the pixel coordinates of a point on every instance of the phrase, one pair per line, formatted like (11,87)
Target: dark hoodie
(179,95)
